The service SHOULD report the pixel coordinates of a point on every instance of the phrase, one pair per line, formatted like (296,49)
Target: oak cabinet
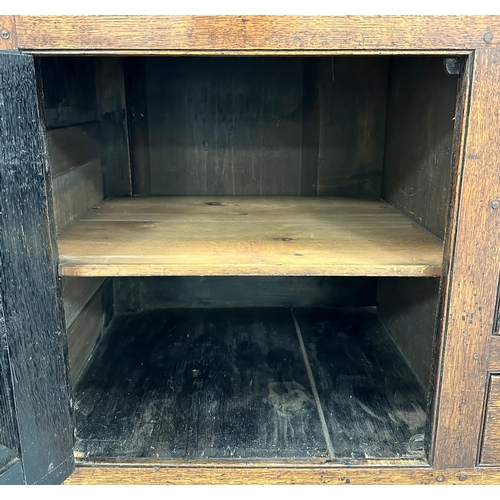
(249,249)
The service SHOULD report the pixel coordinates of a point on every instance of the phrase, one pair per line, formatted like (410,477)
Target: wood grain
(76,192)
(255,474)
(202,384)
(77,292)
(8,23)
(68,91)
(253,291)
(138,124)
(420,125)
(408,308)
(277,33)
(494,357)
(265,125)
(72,147)
(30,290)
(84,334)
(198,384)
(111,108)
(247,236)
(373,404)
(225,126)
(9,438)
(352,125)
(490,451)
(473,283)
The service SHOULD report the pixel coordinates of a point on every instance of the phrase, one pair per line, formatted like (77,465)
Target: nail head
(488,37)
(5,34)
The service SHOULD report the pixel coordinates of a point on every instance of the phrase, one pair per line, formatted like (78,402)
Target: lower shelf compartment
(248,384)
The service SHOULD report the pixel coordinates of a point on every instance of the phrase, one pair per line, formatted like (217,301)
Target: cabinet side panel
(407,307)
(471,285)
(34,315)
(420,125)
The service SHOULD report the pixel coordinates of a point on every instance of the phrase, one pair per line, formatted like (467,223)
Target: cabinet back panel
(257,126)
(147,293)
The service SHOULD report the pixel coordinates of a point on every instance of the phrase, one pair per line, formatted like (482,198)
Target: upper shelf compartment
(247,236)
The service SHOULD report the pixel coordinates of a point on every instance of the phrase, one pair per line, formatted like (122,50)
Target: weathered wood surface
(111,107)
(77,292)
(352,118)
(72,147)
(253,291)
(247,236)
(408,308)
(420,126)
(202,384)
(9,438)
(221,34)
(69,91)
(137,119)
(255,474)
(198,384)
(272,126)
(84,334)
(310,127)
(490,450)
(494,357)
(8,23)
(225,126)
(473,279)
(373,404)
(30,290)
(76,192)
(13,475)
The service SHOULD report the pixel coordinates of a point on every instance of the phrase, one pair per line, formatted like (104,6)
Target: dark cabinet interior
(250,252)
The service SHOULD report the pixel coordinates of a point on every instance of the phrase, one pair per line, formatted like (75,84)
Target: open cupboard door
(36,430)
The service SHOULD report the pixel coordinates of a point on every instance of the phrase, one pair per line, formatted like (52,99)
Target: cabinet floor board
(231,384)
(193,235)
(373,404)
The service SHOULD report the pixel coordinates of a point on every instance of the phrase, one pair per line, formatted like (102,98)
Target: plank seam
(314,389)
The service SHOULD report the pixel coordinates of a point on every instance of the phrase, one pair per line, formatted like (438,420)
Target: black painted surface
(373,404)
(196,384)
(32,305)
(9,439)
(232,384)
(13,474)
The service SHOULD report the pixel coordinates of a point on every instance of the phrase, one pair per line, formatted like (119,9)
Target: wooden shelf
(247,236)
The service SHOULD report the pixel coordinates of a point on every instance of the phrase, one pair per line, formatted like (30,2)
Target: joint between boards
(314,389)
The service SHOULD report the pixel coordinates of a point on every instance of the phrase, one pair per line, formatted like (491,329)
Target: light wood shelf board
(253,236)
